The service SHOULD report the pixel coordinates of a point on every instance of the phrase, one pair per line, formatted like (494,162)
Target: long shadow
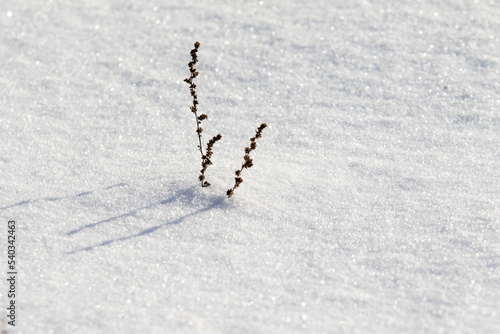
(151,229)
(130,213)
(54,199)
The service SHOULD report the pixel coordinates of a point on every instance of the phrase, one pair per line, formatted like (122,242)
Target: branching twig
(205,158)
(247,162)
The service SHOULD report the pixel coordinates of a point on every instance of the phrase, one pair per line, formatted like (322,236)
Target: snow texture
(372,207)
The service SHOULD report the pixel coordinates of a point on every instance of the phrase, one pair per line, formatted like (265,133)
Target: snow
(372,206)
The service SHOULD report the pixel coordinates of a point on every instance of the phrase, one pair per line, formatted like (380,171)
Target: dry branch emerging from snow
(205,158)
(247,161)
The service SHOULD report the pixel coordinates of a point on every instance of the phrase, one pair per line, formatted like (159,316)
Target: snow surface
(373,205)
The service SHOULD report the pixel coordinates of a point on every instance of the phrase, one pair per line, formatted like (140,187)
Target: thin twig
(247,162)
(205,158)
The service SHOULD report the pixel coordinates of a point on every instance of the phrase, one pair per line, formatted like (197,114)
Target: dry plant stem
(247,162)
(205,158)
(192,89)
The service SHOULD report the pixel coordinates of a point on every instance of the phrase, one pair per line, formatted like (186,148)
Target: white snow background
(372,207)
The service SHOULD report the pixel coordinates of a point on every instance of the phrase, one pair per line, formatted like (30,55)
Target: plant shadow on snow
(186,194)
(55,199)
